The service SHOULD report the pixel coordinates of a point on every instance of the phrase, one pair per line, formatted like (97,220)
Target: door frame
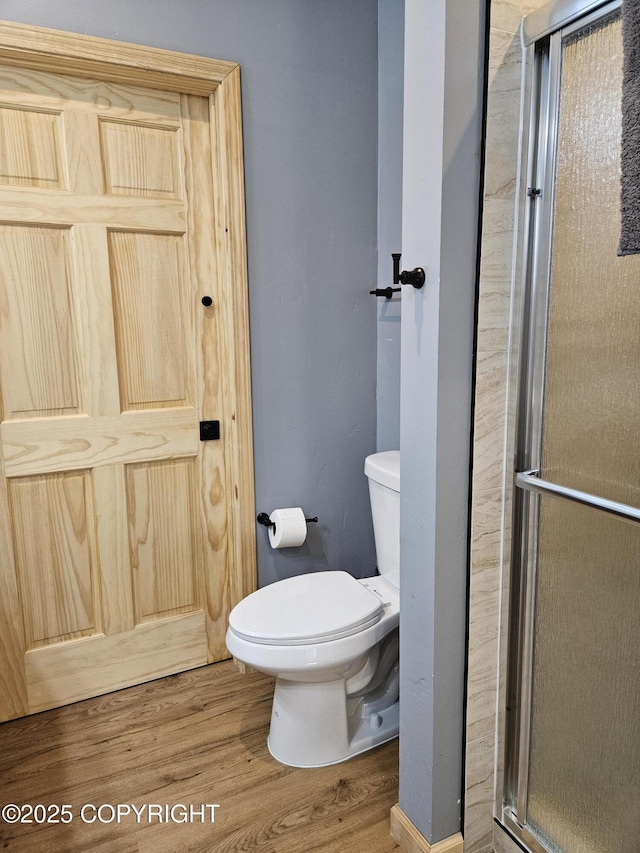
(42,49)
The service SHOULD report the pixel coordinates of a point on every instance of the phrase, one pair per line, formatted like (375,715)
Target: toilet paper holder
(263,518)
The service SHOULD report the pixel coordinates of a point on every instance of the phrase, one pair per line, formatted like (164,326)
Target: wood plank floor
(190,739)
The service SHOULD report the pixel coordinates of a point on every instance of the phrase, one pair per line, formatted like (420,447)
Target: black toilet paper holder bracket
(263,518)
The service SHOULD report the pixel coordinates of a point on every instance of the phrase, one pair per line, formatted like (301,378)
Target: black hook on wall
(414,277)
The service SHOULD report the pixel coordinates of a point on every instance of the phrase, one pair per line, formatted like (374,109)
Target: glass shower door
(574,747)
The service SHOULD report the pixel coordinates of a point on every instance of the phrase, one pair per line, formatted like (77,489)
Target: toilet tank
(383,471)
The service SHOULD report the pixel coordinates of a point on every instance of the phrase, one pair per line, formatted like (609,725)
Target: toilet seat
(306,609)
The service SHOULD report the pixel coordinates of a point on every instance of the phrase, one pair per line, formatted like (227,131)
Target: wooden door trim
(42,49)
(53,51)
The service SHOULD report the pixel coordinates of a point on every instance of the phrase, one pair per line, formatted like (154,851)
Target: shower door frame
(542,33)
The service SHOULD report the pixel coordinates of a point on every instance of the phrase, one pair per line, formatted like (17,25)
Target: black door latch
(209,430)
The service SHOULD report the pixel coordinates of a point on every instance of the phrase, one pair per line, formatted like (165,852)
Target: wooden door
(116,518)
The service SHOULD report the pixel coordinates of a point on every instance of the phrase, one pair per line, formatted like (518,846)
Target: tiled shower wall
(489,478)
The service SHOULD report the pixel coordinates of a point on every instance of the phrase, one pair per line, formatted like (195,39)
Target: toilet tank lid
(384,468)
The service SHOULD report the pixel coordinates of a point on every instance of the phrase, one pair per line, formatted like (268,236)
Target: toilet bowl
(332,643)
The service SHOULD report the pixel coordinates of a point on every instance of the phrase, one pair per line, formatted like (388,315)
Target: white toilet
(332,643)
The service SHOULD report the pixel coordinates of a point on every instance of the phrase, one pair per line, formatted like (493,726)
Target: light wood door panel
(55,557)
(116,521)
(38,355)
(149,288)
(30,155)
(165,548)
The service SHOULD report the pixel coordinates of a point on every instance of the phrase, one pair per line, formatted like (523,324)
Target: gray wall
(390,99)
(309,84)
(442,147)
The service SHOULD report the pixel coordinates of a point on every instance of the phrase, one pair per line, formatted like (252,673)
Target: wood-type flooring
(169,747)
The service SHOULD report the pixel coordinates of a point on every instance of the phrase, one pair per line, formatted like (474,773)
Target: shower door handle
(531,482)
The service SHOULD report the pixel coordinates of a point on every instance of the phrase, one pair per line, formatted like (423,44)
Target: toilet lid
(311,608)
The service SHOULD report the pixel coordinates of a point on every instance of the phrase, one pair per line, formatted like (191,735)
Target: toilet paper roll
(290,527)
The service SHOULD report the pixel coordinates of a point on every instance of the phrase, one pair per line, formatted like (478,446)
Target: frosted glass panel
(584,771)
(584,763)
(591,437)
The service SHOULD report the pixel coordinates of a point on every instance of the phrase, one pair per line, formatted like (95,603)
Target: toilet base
(311,727)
